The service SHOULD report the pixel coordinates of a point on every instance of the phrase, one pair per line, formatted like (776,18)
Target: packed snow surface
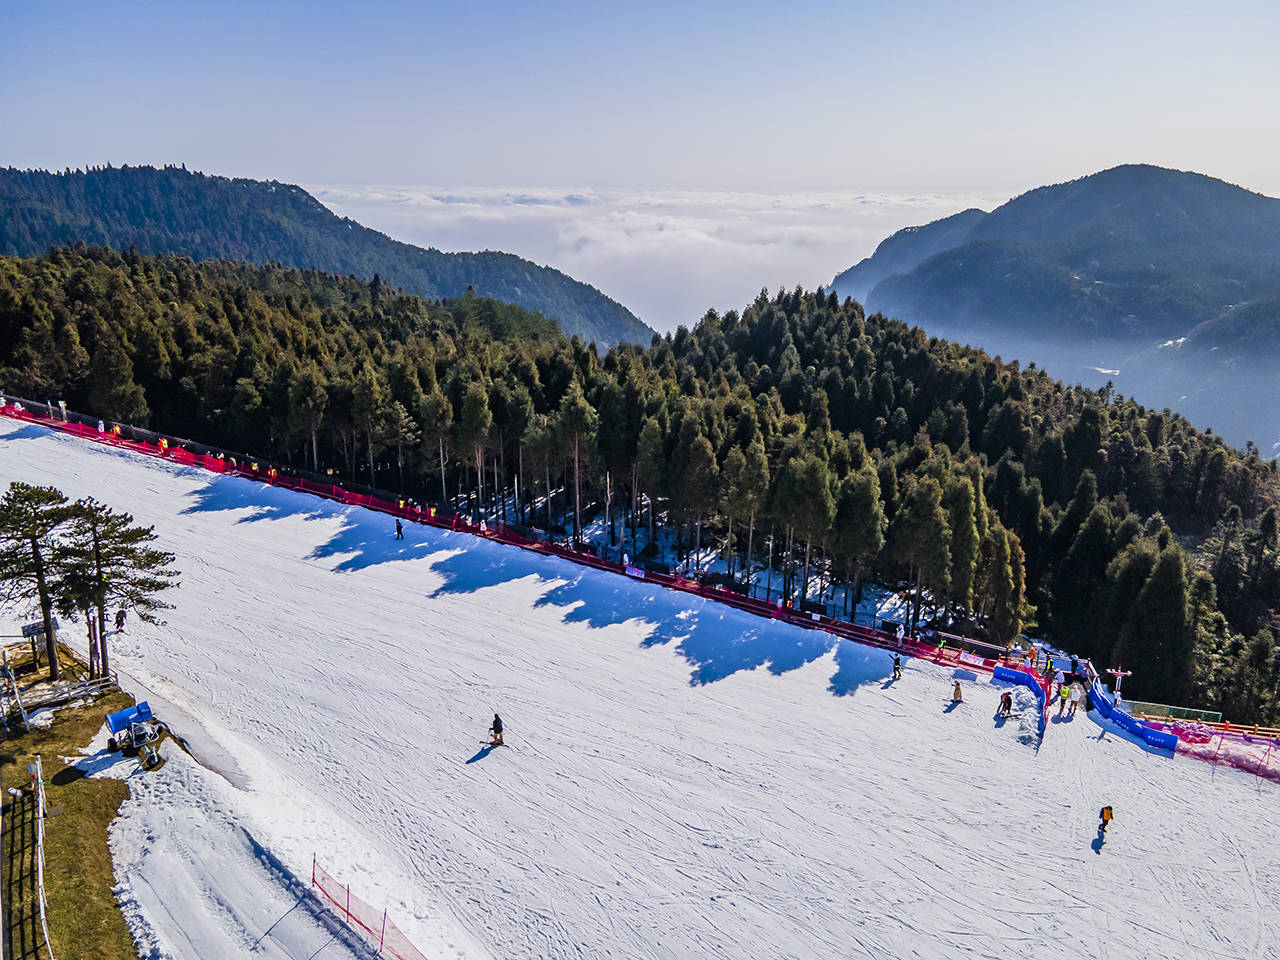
(683,780)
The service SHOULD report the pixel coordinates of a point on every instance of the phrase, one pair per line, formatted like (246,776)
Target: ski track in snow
(683,780)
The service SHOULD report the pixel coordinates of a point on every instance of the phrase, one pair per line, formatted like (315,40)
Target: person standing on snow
(496,729)
(897,667)
(1075,699)
(1104,817)
(399,529)
(1006,704)
(956,695)
(1063,693)
(120,615)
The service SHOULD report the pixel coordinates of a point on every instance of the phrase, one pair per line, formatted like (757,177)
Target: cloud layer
(668,255)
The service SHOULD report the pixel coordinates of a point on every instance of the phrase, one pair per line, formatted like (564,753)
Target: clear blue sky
(940,97)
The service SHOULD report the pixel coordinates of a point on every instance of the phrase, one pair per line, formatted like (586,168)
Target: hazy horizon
(667,255)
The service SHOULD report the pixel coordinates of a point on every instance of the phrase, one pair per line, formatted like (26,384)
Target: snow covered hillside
(683,780)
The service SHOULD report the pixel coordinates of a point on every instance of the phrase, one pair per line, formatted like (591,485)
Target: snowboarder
(897,667)
(399,529)
(496,729)
(956,695)
(1104,818)
(120,615)
(1006,703)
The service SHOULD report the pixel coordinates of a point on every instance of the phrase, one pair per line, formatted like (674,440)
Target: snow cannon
(131,728)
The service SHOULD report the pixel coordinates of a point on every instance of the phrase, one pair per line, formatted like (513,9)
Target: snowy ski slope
(683,780)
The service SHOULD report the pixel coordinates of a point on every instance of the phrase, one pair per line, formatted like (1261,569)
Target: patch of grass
(85,922)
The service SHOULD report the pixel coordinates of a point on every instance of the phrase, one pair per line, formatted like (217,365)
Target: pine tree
(122,567)
(577,422)
(308,399)
(959,503)
(921,538)
(437,422)
(401,431)
(370,409)
(32,552)
(650,464)
(477,421)
(860,523)
(1155,641)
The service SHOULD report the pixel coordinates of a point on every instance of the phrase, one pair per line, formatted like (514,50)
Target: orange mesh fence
(373,922)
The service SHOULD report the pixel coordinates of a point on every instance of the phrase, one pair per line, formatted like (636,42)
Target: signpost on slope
(1119,675)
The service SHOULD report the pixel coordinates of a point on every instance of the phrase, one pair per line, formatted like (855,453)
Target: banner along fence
(380,929)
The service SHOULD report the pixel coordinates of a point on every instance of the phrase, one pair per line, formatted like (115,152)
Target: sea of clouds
(668,255)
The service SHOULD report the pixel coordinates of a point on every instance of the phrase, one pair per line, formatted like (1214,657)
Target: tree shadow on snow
(364,538)
(716,640)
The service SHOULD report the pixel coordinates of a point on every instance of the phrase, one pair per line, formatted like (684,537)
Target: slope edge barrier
(356,913)
(244,466)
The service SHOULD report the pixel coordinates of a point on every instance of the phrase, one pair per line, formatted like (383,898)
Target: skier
(496,729)
(1104,817)
(956,695)
(399,529)
(1063,693)
(1006,704)
(120,615)
(897,667)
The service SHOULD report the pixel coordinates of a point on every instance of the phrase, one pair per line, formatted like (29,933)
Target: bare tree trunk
(697,545)
(608,511)
(315,450)
(548,501)
(577,494)
(370,438)
(444,492)
(804,581)
(751,529)
(768,585)
(520,490)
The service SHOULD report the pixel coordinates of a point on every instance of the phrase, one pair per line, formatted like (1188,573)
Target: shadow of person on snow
(1097,843)
(1000,720)
(952,705)
(482,753)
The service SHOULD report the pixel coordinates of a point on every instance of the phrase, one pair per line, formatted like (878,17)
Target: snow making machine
(134,732)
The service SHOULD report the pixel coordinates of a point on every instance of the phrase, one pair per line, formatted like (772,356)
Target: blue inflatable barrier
(1020,677)
(1160,739)
(122,720)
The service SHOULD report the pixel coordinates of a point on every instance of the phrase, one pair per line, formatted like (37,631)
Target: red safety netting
(373,922)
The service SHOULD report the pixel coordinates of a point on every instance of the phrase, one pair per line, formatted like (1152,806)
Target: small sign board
(37,629)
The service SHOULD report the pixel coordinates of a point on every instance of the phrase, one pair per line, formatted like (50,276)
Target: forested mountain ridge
(170,210)
(1135,250)
(1163,281)
(867,447)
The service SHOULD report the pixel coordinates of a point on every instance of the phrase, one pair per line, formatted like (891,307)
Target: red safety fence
(373,922)
(243,466)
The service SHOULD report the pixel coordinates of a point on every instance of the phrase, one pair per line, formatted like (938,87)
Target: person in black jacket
(496,729)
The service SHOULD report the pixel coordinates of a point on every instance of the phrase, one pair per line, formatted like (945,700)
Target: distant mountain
(1135,251)
(1136,273)
(903,251)
(171,210)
